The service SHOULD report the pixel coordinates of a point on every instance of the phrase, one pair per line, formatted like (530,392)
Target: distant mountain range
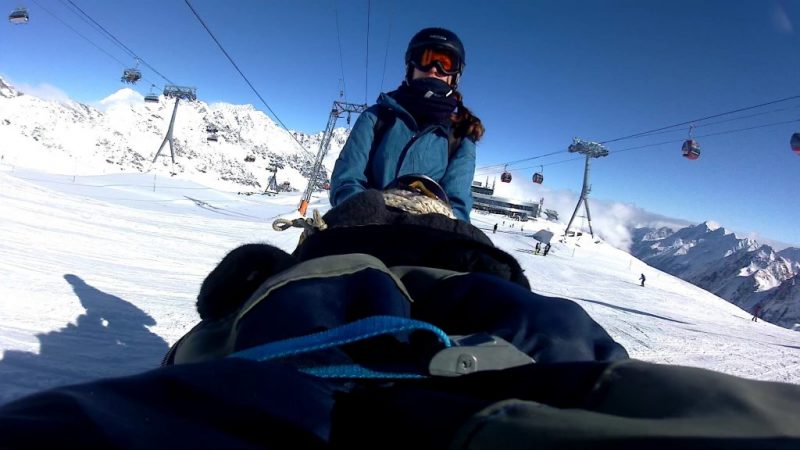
(739,270)
(123,134)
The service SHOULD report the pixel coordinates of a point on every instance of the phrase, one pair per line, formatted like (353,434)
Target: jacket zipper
(408,146)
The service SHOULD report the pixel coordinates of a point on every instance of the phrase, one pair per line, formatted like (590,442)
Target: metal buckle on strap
(476,353)
(308,225)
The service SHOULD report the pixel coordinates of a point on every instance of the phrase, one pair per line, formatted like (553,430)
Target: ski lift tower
(339,109)
(178,93)
(272,184)
(591,150)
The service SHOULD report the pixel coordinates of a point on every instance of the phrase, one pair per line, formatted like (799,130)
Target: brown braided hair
(466,124)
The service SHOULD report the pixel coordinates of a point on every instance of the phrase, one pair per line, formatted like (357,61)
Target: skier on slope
(422,127)
(756,312)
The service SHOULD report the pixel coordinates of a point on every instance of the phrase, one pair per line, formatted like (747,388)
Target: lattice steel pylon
(591,150)
(337,111)
(272,184)
(177,92)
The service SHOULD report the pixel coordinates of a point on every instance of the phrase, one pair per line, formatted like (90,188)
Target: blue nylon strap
(354,371)
(345,334)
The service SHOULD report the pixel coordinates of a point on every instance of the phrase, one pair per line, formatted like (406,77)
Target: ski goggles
(446,63)
(421,184)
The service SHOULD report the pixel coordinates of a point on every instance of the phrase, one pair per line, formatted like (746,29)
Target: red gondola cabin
(691,149)
(795,142)
(538,178)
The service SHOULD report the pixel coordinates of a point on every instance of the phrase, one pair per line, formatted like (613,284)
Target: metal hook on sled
(309,225)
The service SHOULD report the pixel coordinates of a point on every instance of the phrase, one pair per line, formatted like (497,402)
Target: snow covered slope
(739,270)
(99,274)
(125,133)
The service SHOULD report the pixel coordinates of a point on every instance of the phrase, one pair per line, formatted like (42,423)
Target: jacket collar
(401,112)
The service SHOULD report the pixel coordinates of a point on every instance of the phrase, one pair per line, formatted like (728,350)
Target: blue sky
(538,73)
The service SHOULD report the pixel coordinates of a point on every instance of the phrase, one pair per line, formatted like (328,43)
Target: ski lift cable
(749,116)
(366,65)
(668,130)
(71,28)
(520,169)
(118,42)
(227,55)
(341,58)
(388,40)
(689,122)
(520,160)
(80,13)
(579,158)
(639,147)
(79,33)
(738,130)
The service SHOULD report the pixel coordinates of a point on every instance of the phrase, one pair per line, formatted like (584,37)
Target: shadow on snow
(634,311)
(109,339)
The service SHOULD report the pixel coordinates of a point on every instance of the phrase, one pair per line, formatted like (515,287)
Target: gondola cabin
(691,149)
(19,16)
(131,76)
(538,178)
(795,143)
(326,185)
(505,177)
(151,98)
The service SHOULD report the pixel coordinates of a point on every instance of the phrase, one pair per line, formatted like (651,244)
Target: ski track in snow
(98,276)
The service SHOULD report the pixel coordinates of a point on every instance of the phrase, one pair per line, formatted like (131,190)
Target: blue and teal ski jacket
(403,150)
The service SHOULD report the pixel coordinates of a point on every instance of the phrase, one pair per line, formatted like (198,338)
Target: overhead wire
(366,65)
(227,55)
(738,130)
(89,20)
(341,58)
(734,119)
(639,147)
(690,122)
(388,40)
(118,42)
(520,160)
(79,33)
(84,37)
(669,129)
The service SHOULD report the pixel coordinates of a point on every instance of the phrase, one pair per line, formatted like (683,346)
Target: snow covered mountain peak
(6,90)
(124,96)
(739,270)
(222,145)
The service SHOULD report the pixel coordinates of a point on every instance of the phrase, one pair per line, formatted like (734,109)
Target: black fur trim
(237,276)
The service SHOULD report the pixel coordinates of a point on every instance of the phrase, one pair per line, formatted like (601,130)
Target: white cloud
(611,220)
(781,20)
(776,245)
(44,91)
(125,97)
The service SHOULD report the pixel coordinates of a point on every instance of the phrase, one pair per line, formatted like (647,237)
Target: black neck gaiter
(428,100)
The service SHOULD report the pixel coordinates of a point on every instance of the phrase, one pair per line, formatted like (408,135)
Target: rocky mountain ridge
(737,269)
